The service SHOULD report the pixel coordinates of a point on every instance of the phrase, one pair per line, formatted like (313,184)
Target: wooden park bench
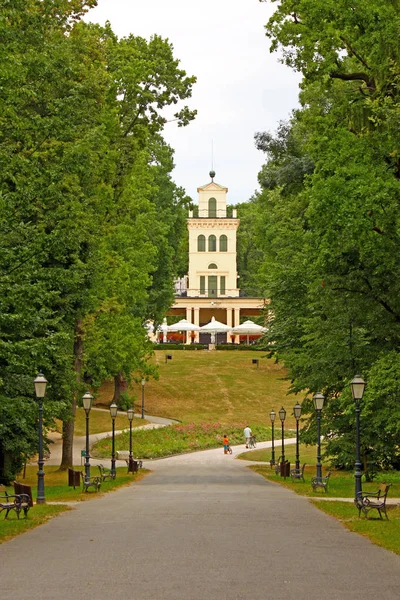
(22,488)
(367,501)
(105,473)
(320,482)
(297,473)
(94,482)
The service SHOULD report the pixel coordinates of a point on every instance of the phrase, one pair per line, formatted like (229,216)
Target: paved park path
(199,527)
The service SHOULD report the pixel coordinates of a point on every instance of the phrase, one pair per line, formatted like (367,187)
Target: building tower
(211,289)
(212,245)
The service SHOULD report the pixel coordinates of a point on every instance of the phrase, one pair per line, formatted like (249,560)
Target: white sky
(241,88)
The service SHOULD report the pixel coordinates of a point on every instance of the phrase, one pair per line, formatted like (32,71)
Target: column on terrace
(229,323)
(189,318)
(196,321)
(236,322)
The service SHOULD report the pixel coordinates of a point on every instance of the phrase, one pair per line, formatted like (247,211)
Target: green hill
(223,386)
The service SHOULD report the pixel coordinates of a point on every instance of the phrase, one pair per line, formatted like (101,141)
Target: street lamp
(113,413)
(318,400)
(282,416)
(40,391)
(297,415)
(143,384)
(87,400)
(357,390)
(129,412)
(272,416)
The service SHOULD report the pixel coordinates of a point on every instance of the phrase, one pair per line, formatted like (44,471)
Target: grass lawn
(383,533)
(57,490)
(37,515)
(218,386)
(100,421)
(177,439)
(56,483)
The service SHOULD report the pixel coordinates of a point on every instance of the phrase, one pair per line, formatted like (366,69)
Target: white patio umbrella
(214,327)
(248,328)
(183,325)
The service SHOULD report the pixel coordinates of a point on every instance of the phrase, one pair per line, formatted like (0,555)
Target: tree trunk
(68,426)
(120,386)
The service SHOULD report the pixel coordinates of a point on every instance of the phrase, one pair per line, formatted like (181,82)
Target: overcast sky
(241,88)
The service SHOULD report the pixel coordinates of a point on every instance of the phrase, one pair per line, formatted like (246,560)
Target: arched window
(212,208)
(212,266)
(212,243)
(223,243)
(201,243)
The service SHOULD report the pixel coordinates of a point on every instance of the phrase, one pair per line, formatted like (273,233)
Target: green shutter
(222,284)
(202,284)
(212,243)
(212,208)
(223,243)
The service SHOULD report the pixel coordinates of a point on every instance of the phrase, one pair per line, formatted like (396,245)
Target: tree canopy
(328,217)
(90,220)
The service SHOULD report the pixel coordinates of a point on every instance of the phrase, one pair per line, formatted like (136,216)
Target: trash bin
(285,468)
(133,466)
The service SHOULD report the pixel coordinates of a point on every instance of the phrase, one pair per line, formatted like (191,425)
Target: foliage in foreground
(91,223)
(326,221)
(178,439)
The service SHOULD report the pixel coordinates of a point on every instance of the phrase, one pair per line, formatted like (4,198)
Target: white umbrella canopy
(248,328)
(214,327)
(183,325)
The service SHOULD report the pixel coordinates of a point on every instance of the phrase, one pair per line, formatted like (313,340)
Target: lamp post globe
(318,400)
(297,415)
(40,390)
(272,416)
(357,389)
(113,413)
(87,400)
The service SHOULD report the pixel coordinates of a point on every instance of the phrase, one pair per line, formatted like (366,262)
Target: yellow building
(211,287)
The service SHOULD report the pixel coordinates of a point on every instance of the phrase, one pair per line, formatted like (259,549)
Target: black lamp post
(40,391)
(129,412)
(113,413)
(143,384)
(357,390)
(282,416)
(318,400)
(272,416)
(87,400)
(297,415)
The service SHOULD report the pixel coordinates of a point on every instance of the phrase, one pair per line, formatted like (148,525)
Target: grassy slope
(214,386)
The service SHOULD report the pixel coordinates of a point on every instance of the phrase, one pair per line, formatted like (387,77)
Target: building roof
(212,186)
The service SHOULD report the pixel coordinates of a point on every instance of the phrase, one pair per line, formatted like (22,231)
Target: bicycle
(252,441)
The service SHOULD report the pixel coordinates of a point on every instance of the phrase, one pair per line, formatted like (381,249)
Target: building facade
(211,287)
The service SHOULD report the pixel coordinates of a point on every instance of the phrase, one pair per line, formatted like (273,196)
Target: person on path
(226,444)
(247,435)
